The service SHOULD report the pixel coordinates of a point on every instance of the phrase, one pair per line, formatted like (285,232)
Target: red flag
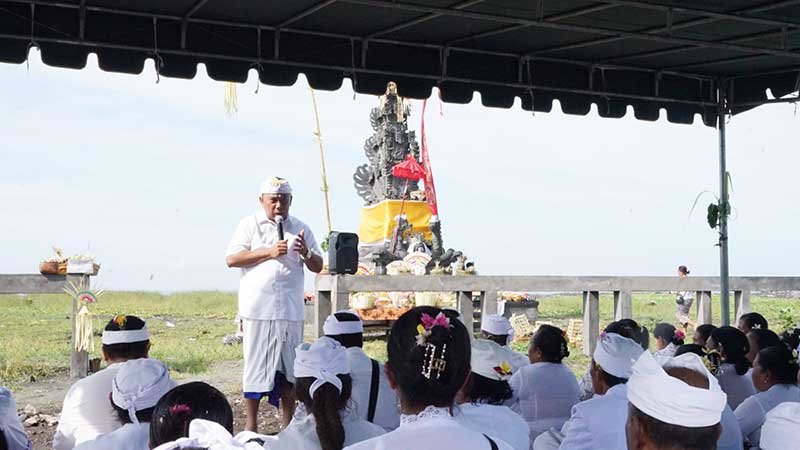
(430,188)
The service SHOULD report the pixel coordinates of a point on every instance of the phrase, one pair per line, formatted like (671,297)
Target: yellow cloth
(377,221)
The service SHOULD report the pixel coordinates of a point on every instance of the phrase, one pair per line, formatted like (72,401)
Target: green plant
(786,319)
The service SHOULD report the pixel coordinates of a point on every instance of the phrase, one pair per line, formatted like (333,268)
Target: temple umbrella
(409,169)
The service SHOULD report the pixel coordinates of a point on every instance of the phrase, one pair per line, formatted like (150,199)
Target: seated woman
(668,339)
(429,357)
(323,387)
(627,328)
(759,339)
(775,379)
(701,334)
(732,345)
(752,321)
(12,434)
(546,390)
(731,436)
(175,411)
(480,401)
(135,390)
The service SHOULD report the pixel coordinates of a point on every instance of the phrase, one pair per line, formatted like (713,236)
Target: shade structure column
(724,294)
(591,321)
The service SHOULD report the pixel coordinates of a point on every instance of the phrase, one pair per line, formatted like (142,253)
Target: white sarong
(269,348)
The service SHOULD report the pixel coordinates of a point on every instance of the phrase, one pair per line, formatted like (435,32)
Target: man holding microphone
(271,248)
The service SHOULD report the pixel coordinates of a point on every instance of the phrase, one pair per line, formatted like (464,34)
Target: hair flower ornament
(504,369)
(181,409)
(428,323)
(756,326)
(794,357)
(680,335)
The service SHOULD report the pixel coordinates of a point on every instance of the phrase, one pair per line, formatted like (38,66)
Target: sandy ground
(47,396)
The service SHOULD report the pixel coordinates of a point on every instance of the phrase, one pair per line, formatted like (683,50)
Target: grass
(35,329)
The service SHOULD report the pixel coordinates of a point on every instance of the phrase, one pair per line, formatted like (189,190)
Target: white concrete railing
(50,284)
(333,292)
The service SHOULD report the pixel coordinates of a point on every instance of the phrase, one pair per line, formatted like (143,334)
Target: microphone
(279,221)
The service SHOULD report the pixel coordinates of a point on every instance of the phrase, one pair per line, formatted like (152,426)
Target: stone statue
(388,146)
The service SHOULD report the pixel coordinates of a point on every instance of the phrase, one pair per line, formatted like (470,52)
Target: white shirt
(432,429)
(302,433)
(10,426)
(387,413)
(516,359)
(752,412)
(129,437)
(598,423)
(273,289)
(485,418)
(544,394)
(737,387)
(87,411)
(731,437)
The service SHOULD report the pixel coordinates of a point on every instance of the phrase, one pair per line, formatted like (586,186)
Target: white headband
(497,325)
(781,429)
(322,360)
(212,436)
(335,327)
(275,185)
(616,354)
(669,399)
(125,336)
(139,384)
(490,360)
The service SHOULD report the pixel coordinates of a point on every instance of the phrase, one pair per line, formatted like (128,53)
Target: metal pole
(722,96)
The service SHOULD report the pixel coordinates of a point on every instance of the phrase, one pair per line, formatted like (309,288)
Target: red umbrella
(409,169)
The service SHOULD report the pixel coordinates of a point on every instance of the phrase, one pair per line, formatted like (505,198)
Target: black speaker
(343,253)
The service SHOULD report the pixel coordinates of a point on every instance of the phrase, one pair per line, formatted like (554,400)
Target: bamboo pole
(318,134)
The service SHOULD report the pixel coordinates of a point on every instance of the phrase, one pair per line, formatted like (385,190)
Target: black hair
(705,330)
(630,329)
(734,347)
(143,415)
(668,436)
(325,407)
(684,270)
(667,332)
(791,338)
(780,362)
(184,403)
(765,338)
(712,357)
(754,320)
(350,339)
(128,350)
(480,389)
(407,359)
(499,339)
(551,342)
(3,441)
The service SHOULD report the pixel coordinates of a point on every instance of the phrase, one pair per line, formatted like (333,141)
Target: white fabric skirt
(269,347)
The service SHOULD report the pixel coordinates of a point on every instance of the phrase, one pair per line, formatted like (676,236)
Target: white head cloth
(669,399)
(333,327)
(275,185)
(490,360)
(497,325)
(210,435)
(139,384)
(125,336)
(617,354)
(323,360)
(781,429)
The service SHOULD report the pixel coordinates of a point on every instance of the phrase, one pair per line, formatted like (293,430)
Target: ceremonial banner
(377,221)
(430,188)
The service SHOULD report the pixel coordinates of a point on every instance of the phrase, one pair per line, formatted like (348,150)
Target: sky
(152,178)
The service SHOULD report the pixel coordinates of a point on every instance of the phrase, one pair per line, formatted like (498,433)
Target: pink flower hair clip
(680,335)
(428,323)
(181,409)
